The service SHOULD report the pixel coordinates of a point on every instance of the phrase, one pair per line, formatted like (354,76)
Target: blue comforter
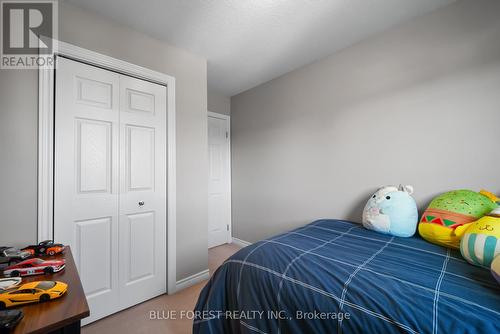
(335,276)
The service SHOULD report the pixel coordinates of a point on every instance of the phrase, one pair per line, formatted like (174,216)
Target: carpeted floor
(137,319)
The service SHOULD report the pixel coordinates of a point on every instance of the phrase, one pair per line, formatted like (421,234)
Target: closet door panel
(86,189)
(143,189)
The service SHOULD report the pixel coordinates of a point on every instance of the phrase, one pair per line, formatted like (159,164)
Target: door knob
(141,203)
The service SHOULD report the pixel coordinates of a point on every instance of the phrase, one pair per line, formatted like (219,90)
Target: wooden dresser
(62,315)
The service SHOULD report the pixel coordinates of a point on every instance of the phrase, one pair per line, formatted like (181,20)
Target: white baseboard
(191,280)
(240,242)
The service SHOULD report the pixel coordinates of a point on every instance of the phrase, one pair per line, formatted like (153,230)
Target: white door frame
(228,119)
(46,141)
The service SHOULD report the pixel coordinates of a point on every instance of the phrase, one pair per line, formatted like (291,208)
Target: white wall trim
(228,119)
(240,242)
(221,116)
(45,154)
(192,280)
(46,141)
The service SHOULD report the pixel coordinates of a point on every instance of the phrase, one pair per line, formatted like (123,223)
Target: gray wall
(18,125)
(418,104)
(18,156)
(219,103)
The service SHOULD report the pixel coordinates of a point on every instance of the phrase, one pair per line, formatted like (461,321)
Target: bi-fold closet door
(110,183)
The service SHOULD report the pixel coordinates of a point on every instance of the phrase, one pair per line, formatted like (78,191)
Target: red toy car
(47,247)
(34,267)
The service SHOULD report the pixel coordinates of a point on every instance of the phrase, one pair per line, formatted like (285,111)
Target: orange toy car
(47,247)
(40,291)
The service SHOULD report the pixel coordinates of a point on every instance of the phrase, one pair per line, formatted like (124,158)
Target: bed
(334,276)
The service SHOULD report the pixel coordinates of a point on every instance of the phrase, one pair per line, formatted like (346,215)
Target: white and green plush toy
(480,242)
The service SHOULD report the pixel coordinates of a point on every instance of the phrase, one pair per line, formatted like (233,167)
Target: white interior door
(110,151)
(219,186)
(143,199)
(86,192)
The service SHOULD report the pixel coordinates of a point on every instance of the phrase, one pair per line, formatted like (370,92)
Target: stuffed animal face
(392,210)
(480,243)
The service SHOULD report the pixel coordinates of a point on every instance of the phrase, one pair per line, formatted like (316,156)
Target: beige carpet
(137,319)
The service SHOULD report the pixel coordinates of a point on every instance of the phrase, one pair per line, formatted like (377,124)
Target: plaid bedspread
(334,276)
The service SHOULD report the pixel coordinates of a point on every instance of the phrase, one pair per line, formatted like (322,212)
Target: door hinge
(227,227)
(227,134)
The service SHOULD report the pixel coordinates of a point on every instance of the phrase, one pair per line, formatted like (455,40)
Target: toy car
(9,283)
(34,267)
(33,292)
(11,254)
(47,247)
(9,319)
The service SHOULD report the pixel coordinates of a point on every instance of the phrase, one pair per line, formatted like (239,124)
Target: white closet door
(87,177)
(143,155)
(110,183)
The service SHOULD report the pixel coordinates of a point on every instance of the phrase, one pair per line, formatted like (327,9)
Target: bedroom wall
(219,103)
(418,104)
(18,131)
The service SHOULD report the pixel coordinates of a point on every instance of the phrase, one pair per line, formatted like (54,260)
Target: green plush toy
(451,210)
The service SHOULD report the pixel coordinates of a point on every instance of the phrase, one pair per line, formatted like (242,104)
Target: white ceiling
(248,42)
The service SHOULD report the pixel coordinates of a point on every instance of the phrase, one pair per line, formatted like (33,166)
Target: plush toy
(392,211)
(452,209)
(481,239)
(495,268)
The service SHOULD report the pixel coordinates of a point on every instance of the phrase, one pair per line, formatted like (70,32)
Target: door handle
(141,203)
